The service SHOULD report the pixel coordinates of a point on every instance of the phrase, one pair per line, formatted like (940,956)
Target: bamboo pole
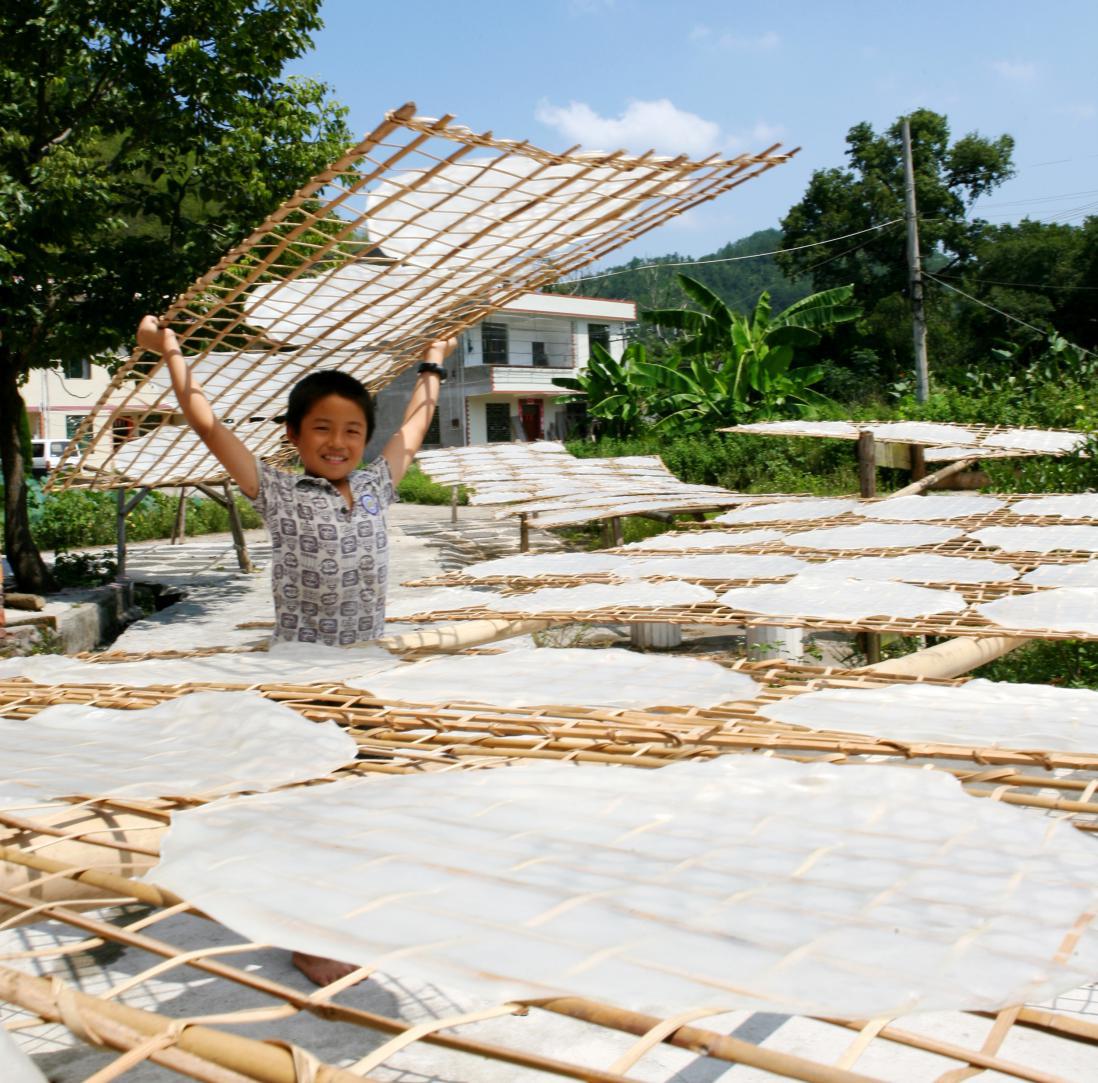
(953,658)
(116,1026)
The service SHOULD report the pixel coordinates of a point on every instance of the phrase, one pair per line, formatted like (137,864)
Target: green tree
(140,140)
(949,177)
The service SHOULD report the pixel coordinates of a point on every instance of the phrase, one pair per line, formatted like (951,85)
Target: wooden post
(179,527)
(918,462)
(524,534)
(918,316)
(120,537)
(615,529)
(453,503)
(237,528)
(867,464)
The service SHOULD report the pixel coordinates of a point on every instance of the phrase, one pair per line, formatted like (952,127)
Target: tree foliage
(140,140)
(949,177)
(724,366)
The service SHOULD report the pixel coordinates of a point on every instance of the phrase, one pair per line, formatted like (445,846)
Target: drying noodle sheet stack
(418,232)
(943,442)
(553,488)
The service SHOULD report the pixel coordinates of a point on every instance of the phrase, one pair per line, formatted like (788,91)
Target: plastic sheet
(980,714)
(570,676)
(831,598)
(202,744)
(746,882)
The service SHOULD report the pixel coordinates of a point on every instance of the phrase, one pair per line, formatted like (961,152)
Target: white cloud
(1017,71)
(658,124)
(751,43)
(726,39)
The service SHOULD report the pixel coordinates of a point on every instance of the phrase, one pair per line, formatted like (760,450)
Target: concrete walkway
(223,604)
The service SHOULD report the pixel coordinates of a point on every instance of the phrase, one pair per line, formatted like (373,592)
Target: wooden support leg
(237,528)
(120,536)
(867,464)
(615,530)
(524,535)
(179,527)
(453,503)
(918,462)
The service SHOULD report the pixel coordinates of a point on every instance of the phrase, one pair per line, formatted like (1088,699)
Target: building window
(72,423)
(541,358)
(493,343)
(599,333)
(497,416)
(79,369)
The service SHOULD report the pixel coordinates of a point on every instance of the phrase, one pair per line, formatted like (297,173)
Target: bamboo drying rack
(536,217)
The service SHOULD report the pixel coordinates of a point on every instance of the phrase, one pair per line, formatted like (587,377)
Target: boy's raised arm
(402,446)
(225,445)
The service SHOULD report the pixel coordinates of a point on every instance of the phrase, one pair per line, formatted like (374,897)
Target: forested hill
(652,283)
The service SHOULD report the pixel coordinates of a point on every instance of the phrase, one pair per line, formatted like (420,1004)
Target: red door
(531,411)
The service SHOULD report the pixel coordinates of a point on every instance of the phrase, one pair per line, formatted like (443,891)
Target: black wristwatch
(430,366)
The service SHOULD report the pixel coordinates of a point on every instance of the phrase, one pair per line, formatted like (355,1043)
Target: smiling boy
(328,531)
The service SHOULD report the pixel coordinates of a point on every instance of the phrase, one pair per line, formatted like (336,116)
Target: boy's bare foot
(321,971)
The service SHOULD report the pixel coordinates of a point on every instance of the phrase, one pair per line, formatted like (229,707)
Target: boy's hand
(439,349)
(151,336)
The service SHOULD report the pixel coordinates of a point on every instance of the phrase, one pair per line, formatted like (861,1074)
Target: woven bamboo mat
(159,939)
(507,1038)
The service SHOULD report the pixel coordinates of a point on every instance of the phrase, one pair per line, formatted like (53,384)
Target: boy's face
(332,438)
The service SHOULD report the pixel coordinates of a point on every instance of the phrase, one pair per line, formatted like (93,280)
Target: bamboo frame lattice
(972,441)
(116,841)
(417,232)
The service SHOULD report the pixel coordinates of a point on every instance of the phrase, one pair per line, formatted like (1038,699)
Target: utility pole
(918,314)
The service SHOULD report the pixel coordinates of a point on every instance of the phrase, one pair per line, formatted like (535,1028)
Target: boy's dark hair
(318,385)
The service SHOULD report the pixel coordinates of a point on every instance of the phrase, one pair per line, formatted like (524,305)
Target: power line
(1031,285)
(1006,315)
(735,259)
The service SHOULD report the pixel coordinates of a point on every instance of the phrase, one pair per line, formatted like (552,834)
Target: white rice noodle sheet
(595,596)
(15,1065)
(438,599)
(740,883)
(1039,539)
(202,744)
(799,428)
(1061,609)
(705,539)
(923,508)
(719,566)
(282,663)
(568,676)
(491,210)
(534,564)
(873,536)
(921,432)
(1054,441)
(918,568)
(1064,575)
(830,598)
(788,511)
(1065,505)
(980,714)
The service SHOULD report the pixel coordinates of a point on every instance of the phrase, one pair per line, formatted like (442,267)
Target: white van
(47,454)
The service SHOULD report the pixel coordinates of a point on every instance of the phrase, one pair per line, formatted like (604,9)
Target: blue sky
(700,76)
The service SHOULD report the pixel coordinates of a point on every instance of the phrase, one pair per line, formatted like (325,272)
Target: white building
(500,378)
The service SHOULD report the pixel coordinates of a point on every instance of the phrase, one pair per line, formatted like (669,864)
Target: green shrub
(417,488)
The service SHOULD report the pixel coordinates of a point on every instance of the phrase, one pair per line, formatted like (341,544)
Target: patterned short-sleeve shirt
(329,562)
